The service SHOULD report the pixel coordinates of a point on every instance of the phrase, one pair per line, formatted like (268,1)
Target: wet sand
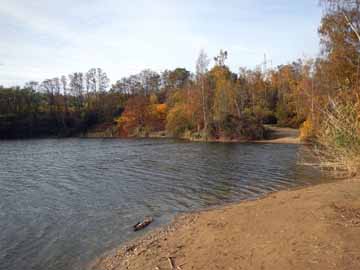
(316,227)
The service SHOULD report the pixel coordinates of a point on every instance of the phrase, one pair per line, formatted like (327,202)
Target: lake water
(64,202)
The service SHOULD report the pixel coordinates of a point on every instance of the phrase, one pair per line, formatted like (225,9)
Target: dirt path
(312,228)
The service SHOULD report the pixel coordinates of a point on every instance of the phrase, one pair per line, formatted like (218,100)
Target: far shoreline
(277,135)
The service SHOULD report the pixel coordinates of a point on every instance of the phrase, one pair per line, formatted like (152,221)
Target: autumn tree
(340,39)
(223,81)
(134,118)
(181,115)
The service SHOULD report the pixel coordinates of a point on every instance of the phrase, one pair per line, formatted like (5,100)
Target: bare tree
(77,87)
(202,64)
(64,85)
(150,81)
(221,58)
(91,80)
(33,85)
(48,88)
(102,80)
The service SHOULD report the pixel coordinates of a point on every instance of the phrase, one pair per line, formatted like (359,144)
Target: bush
(287,118)
(178,121)
(245,127)
(307,131)
(339,137)
(265,115)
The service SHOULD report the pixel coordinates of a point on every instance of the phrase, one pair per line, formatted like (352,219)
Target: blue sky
(47,38)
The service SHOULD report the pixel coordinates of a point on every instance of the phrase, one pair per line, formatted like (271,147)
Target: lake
(64,202)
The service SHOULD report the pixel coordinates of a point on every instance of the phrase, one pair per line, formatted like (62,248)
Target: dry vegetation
(338,139)
(333,123)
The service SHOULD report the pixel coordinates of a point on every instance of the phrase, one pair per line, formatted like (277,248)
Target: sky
(43,39)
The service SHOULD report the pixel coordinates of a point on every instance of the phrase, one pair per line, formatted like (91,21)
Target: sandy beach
(316,227)
(278,135)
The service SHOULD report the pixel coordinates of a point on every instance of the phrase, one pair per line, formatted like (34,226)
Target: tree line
(214,102)
(61,106)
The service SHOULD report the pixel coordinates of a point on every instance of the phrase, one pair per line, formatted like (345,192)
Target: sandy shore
(312,228)
(282,135)
(276,135)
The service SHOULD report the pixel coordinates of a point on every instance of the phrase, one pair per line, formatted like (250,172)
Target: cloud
(50,38)
(35,19)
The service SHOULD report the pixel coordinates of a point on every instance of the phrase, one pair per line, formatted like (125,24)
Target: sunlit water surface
(64,202)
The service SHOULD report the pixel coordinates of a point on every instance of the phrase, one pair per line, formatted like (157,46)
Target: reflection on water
(64,202)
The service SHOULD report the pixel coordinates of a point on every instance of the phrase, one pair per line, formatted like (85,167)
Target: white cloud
(50,38)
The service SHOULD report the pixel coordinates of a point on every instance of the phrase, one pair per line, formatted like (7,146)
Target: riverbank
(276,135)
(316,227)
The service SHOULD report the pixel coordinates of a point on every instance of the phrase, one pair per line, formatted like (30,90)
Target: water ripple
(63,202)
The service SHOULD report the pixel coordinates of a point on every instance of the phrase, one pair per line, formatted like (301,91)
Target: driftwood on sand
(141,225)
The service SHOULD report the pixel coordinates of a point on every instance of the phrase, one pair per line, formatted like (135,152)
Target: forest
(212,103)
(320,96)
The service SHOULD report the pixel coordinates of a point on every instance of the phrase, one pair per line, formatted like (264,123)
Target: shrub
(307,132)
(265,115)
(178,121)
(338,140)
(245,127)
(287,118)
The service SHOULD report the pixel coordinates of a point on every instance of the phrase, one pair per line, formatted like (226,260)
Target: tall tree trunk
(204,108)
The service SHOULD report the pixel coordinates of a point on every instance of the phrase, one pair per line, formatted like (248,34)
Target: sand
(278,135)
(316,227)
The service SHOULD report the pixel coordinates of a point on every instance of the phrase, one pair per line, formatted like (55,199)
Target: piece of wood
(141,225)
(171,262)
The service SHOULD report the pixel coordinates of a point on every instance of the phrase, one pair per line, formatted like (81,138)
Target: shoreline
(280,135)
(277,135)
(316,227)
